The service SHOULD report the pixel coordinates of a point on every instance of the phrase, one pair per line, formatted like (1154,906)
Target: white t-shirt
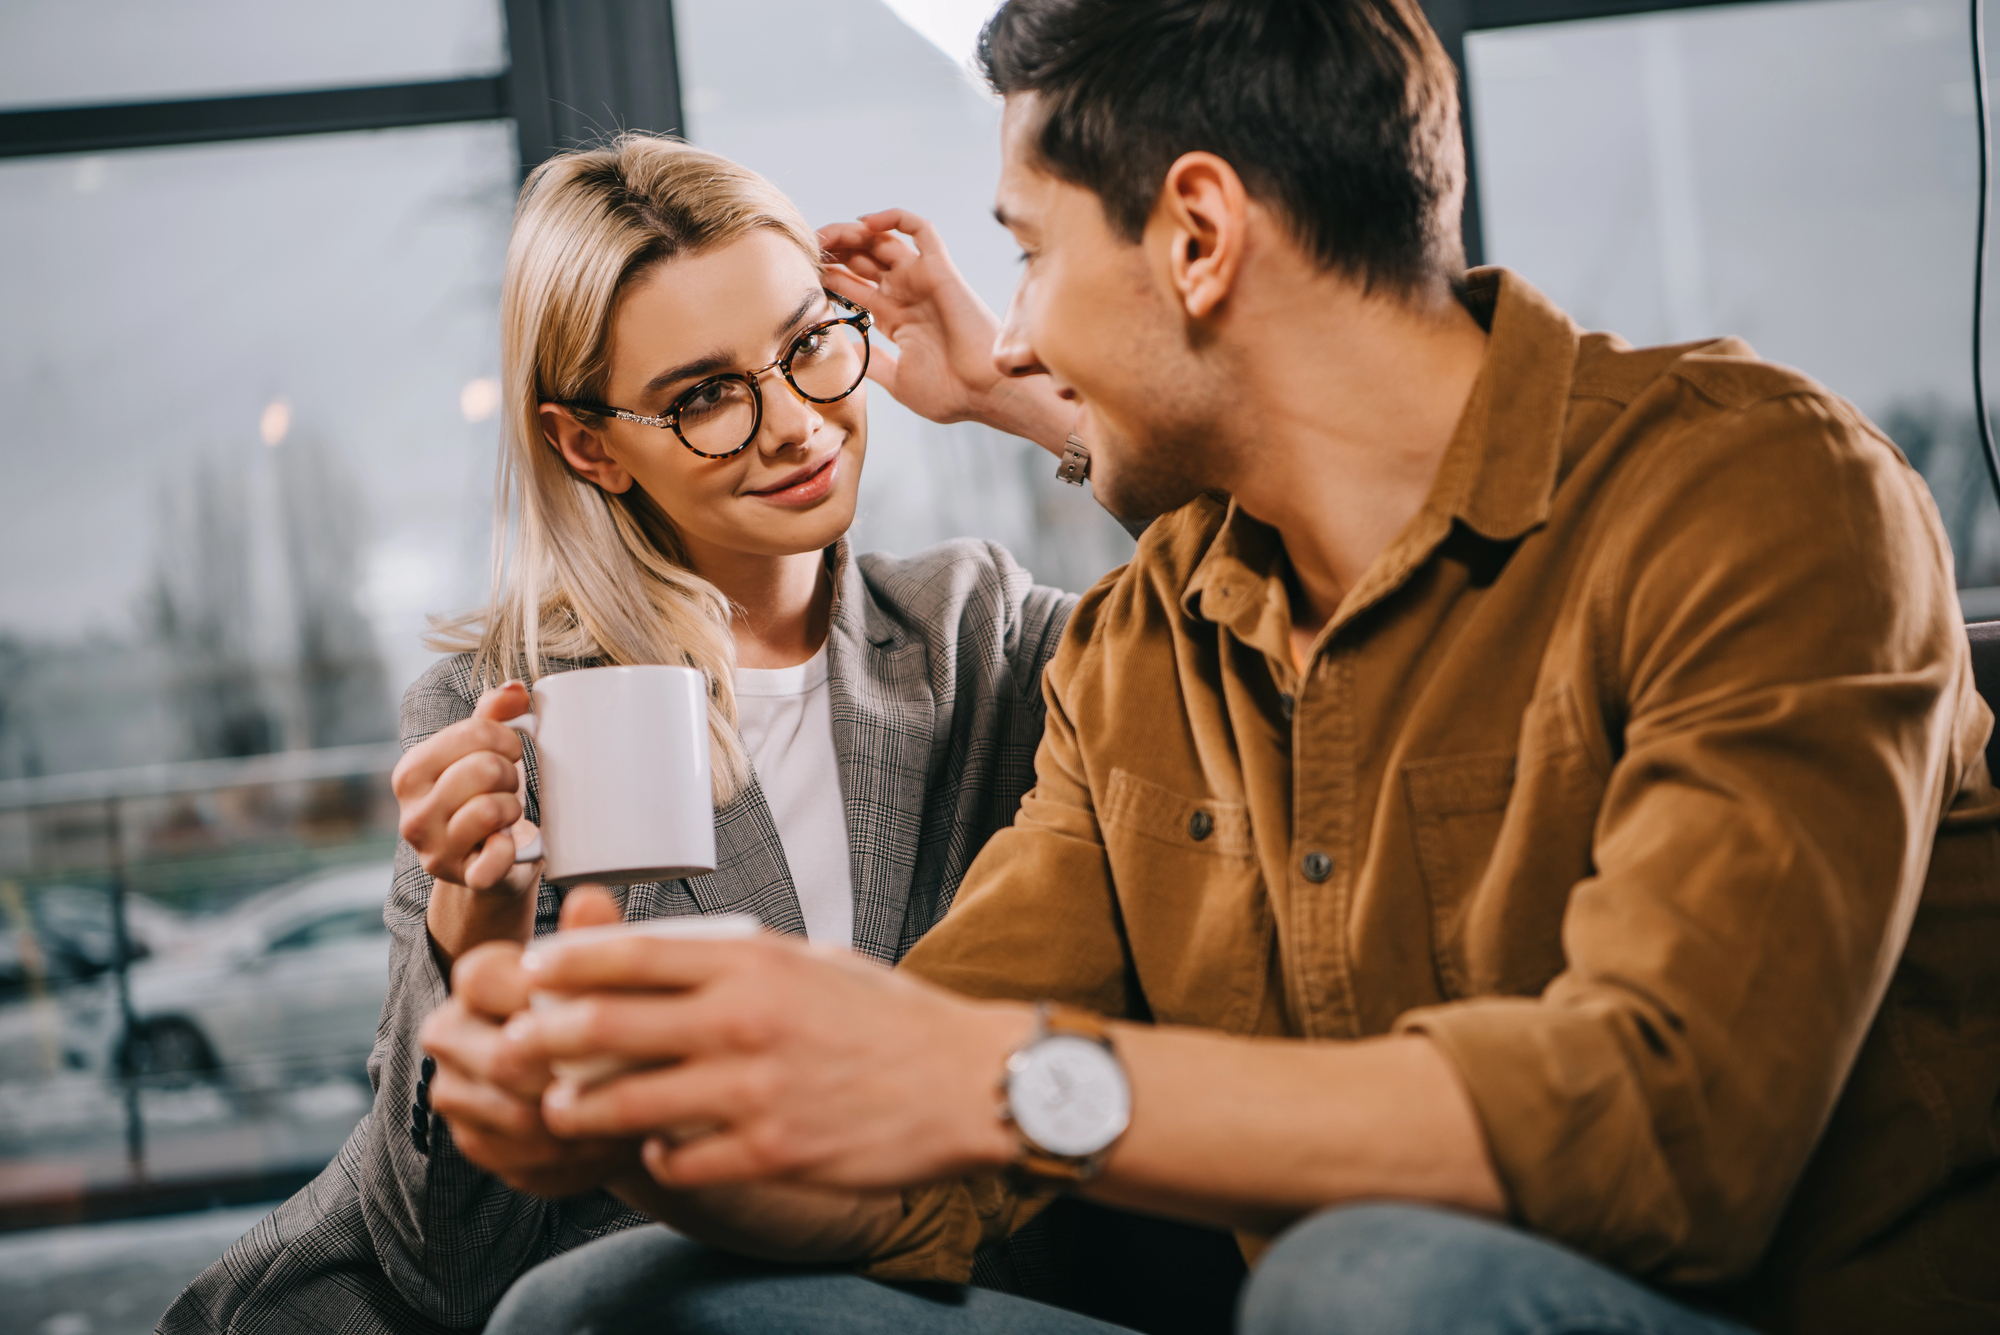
(786,718)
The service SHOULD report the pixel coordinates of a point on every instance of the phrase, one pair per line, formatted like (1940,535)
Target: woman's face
(734,308)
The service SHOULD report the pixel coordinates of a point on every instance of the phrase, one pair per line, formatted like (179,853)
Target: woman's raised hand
(460,794)
(943,367)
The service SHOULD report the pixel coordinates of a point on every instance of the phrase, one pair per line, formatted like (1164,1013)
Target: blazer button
(429,1068)
(1200,826)
(420,1139)
(1317,866)
(423,1094)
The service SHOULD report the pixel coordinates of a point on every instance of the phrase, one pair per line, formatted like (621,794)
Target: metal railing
(111,789)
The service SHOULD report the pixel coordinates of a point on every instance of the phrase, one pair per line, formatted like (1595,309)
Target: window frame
(575,68)
(1453,19)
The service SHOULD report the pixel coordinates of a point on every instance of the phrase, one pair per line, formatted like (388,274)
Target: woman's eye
(809,347)
(712,398)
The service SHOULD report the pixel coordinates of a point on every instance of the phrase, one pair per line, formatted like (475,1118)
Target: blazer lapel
(750,874)
(884,716)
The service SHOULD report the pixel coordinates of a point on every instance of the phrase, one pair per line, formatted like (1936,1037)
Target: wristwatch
(1075,465)
(1065,1095)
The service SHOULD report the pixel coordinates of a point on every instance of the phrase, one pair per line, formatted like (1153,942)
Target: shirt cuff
(945,1223)
(1567,1124)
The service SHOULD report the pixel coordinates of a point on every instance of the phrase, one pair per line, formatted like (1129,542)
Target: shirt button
(1286,705)
(1317,866)
(1200,826)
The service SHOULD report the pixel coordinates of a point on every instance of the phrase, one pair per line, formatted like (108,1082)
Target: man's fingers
(642,1028)
(589,906)
(489,980)
(463,1102)
(706,1161)
(708,1094)
(627,963)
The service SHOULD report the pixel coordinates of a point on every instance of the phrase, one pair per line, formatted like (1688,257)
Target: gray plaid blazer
(935,666)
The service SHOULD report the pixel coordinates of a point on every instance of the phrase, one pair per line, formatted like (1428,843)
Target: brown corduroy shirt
(1620,774)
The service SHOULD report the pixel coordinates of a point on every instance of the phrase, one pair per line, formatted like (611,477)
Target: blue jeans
(1355,1270)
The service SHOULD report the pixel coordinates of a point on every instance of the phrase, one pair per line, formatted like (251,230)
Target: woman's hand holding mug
(460,793)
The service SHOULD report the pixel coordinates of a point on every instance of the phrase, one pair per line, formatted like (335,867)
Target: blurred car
(58,955)
(284,989)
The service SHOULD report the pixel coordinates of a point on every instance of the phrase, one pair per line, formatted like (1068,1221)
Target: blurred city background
(252,420)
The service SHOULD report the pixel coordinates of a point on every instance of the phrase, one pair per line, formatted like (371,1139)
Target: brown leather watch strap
(1075,465)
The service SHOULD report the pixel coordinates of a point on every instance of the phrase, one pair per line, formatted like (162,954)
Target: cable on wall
(1979,247)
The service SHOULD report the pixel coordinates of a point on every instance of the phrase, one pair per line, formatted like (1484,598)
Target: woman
(685,433)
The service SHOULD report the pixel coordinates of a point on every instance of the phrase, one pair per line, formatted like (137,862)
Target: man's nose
(1013,352)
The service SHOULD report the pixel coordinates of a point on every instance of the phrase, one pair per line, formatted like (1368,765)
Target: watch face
(1069,1095)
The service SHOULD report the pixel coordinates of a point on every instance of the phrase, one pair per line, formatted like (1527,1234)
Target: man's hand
(491,1097)
(944,367)
(812,1067)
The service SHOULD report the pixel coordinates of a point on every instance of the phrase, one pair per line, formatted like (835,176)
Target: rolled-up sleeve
(1792,683)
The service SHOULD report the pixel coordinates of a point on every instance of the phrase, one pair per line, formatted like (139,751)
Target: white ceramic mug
(622,770)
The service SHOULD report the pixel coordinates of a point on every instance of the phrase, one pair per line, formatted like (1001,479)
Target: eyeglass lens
(719,416)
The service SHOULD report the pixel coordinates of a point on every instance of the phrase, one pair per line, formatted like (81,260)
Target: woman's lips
(806,486)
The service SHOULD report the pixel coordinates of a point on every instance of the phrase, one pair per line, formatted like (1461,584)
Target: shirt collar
(1498,475)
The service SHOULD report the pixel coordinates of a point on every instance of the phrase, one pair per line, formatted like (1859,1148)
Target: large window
(1801,174)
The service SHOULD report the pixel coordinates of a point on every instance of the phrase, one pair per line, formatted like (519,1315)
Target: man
(1507,782)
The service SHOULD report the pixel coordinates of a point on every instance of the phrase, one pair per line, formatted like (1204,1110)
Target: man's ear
(583,448)
(1205,212)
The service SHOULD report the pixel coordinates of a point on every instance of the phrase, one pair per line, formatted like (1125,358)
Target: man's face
(1100,316)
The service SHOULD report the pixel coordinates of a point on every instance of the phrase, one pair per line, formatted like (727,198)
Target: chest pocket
(1501,840)
(1192,897)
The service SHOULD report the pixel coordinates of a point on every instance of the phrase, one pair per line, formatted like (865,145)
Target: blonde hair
(591,575)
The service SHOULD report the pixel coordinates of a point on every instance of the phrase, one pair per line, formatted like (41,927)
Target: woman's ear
(584,448)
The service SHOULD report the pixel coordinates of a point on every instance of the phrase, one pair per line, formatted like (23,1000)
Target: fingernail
(533,961)
(561,1096)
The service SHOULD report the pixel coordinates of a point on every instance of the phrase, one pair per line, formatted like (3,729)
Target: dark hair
(1340,114)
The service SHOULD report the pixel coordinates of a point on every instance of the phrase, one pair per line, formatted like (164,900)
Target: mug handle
(526,724)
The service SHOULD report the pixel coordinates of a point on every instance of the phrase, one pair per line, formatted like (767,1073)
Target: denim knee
(600,1286)
(1376,1270)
